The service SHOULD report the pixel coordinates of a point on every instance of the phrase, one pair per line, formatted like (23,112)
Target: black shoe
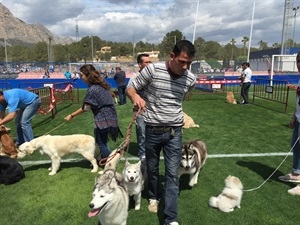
(245,103)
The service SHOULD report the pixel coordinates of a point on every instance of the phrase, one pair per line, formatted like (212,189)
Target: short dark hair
(140,56)
(246,63)
(1,93)
(184,46)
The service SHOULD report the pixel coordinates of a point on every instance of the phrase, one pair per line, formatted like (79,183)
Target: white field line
(39,162)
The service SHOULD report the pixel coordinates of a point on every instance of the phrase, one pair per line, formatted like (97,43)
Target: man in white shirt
(246,82)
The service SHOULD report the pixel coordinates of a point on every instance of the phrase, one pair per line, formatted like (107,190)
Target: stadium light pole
(84,46)
(295,20)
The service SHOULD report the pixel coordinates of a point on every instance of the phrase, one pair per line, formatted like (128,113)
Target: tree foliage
(89,47)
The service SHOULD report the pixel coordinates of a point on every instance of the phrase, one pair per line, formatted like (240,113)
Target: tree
(233,41)
(262,45)
(169,41)
(245,40)
(199,45)
(212,50)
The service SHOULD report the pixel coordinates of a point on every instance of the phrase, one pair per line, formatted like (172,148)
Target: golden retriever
(59,145)
(188,122)
(230,98)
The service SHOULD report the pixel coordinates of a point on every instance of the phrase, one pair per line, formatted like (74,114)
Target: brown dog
(8,147)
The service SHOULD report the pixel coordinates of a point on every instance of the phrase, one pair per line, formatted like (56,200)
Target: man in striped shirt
(165,85)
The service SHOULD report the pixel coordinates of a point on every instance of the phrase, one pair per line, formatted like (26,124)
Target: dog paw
(101,172)
(52,173)
(94,171)
(137,207)
(191,184)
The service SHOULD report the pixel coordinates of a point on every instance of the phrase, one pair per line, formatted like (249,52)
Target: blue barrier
(37,83)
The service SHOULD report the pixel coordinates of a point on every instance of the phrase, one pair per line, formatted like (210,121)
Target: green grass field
(232,133)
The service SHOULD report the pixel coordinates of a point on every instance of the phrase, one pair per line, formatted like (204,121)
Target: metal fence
(272,90)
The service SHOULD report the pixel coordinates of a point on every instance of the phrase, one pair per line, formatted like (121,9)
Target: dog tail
(213,202)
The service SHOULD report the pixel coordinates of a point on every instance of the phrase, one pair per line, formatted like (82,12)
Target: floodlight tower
(77,32)
(287,27)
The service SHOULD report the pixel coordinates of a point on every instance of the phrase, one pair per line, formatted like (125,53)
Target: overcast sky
(150,20)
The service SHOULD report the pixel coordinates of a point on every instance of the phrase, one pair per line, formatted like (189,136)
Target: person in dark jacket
(120,78)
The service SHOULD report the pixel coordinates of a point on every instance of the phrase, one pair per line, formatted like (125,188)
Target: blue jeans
(140,136)
(23,122)
(296,150)
(171,146)
(122,95)
(101,140)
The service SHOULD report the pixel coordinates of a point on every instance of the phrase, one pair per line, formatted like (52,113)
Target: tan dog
(8,147)
(188,122)
(230,98)
(114,94)
(57,146)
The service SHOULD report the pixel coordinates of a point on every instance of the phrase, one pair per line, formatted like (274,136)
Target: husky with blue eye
(193,158)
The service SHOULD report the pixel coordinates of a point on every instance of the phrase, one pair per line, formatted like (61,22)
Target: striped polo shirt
(163,94)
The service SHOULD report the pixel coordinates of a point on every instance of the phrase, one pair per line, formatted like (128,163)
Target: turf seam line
(39,162)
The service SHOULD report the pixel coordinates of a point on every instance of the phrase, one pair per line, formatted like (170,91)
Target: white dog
(134,181)
(57,146)
(110,199)
(230,197)
(193,158)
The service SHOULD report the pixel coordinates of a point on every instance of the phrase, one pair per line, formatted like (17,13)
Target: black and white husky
(110,199)
(193,157)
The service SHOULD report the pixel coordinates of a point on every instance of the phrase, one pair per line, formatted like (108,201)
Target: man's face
(298,62)
(180,63)
(146,62)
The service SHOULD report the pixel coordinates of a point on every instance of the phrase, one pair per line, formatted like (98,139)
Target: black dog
(10,170)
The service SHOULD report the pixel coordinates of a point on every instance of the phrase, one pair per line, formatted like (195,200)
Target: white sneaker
(173,223)
(295,190)
(153,205)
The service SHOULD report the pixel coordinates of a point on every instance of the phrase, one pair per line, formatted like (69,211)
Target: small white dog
(59,145)
(134,181)
(230,197)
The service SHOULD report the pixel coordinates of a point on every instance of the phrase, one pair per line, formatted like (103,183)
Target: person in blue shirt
(22,106)
(68,74)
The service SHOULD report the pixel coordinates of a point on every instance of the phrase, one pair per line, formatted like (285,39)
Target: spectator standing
(68,74)
(22,106)
(46,74)
(294,176)
(120,78)
(245,82)
(143,60)
(165,86)
(98,99)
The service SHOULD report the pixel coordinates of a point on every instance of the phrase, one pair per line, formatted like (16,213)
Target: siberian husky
(230,197)
(57,146)
(134,181)
(193,157)
(110,199)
